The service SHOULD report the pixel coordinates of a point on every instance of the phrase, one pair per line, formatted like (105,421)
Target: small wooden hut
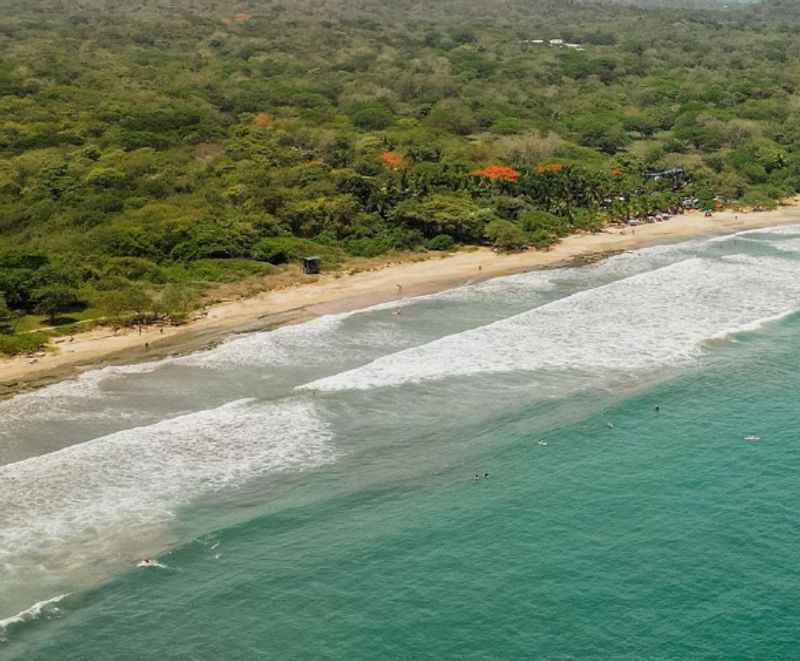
(311,265)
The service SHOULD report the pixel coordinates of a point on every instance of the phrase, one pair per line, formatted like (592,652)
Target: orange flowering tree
(393,160)
(497,173)
(262,120)
(549,168)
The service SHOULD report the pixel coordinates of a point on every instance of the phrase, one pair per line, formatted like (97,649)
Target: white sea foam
(52,402)
(775,230)
(320,341)
(83,496)
(45,608)
(652,319)
(289,345)
(314,343)
(778,229)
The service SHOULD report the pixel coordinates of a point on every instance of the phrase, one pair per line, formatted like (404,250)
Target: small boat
(752,438)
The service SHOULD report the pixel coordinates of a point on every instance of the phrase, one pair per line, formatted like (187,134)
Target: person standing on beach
(399,290)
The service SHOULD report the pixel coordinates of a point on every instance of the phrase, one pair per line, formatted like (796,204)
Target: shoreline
(334,293)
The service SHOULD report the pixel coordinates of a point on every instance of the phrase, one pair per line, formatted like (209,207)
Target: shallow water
(310,491)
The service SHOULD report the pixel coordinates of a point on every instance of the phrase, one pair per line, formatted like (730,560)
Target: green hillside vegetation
(150,150)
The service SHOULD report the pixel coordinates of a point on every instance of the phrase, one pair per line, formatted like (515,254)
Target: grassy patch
(14,345)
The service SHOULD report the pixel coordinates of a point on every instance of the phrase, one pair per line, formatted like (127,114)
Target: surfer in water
(147,562)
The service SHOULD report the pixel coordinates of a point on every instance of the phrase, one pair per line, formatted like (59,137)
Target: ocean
(311,493)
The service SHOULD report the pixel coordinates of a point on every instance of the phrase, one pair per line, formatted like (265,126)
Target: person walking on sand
(399,289)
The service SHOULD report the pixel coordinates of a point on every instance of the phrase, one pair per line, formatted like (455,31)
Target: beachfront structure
(674,173)
(311,265)
(555,43)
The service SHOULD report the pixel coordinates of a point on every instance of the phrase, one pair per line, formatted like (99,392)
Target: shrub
(283,249)
(757,200)
(7,318)
(175,302)
(373,117)
(218,270)
(506,236)
(13,345)
(273,251)
(441,242)
(542,239)
(368,247)
(101,177)
(55,298)
(132,304)
(458,216)
(506,126)
(533,221)
(510,208)
(210,240)
(134,268)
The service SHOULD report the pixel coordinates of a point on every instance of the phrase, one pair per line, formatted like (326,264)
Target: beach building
(312,265)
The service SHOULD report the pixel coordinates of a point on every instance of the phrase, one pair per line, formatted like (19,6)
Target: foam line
(83,495)
(642,322)
(54,401)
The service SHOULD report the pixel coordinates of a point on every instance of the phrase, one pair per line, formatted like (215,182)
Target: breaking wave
(87,496)
(649,320)
(42,609)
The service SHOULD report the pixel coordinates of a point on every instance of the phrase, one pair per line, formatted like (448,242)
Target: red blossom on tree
(549,168)
(497,173)
(393,160)
(262,120)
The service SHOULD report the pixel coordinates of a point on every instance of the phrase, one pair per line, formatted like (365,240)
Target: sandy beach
(333,293)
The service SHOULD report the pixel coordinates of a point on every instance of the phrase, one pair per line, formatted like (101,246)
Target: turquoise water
(341,520)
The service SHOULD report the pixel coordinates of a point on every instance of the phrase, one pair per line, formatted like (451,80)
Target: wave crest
(649,320)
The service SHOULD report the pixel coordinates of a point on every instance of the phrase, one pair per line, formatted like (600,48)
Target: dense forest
(152,148)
